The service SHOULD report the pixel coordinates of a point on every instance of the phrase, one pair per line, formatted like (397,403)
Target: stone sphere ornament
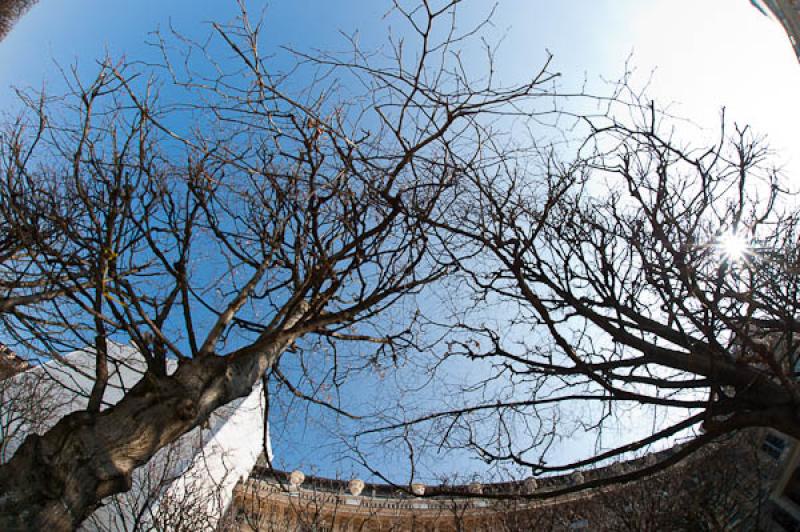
(356,486)
(296,478)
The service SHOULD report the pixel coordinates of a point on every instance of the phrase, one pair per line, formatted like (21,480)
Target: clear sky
(705,54)
(702,55)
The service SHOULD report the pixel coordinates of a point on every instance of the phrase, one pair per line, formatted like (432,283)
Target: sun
(734,246)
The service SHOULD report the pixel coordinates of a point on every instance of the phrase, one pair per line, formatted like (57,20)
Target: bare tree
(183,487)
(227,213)
(28,213)
(254,213)
(29,402)
(167,494)
(642,274)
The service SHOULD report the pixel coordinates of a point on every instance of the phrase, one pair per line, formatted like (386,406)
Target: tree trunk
(58,479)
(10,12)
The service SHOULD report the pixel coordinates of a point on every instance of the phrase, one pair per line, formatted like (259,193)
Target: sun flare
(733,246)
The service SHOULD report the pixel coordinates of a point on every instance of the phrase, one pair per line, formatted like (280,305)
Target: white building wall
(188,484)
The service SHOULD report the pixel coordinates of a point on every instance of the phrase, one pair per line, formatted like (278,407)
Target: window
(773,445)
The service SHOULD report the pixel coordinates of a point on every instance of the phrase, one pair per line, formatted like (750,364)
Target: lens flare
(733,246)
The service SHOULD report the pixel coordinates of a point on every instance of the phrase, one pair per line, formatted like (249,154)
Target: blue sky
(702,55)
(698,55)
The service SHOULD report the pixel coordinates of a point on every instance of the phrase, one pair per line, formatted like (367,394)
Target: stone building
(725,486)
(186,486)
(784,502)
(787,12)
(10,362)
(747,482)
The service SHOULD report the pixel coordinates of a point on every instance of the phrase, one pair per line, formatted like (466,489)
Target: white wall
(190,482)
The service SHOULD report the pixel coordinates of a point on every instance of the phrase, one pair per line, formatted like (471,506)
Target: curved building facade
(725,485)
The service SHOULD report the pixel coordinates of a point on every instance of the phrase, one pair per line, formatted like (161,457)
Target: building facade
(211,479)
(186,487)
(725,486)
(784,501)
(787,12)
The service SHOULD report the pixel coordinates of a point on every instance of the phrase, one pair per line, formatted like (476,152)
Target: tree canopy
(228,211)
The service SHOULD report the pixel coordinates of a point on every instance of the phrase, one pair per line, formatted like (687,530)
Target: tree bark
(56,480)
(10,12)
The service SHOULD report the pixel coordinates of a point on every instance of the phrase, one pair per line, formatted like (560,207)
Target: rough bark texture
(10,12)
(54,481)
